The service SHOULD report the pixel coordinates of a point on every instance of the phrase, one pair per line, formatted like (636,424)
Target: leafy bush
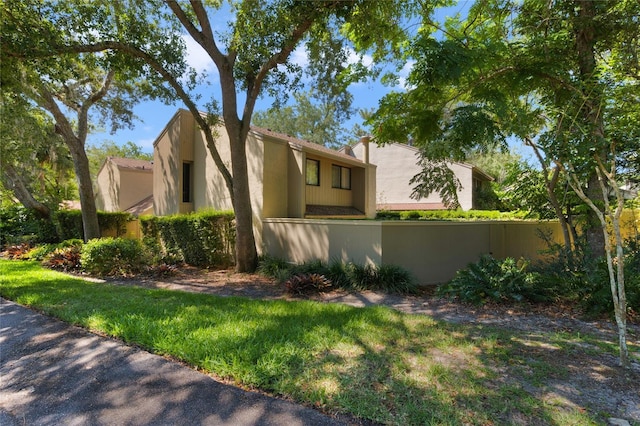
(69,223)
(597,299)
(113,256)
(16,251)
(350,276)
(21,225)
(449,215)
(40,252)
(65,259)
(200,239)
(301,284)
(492,279)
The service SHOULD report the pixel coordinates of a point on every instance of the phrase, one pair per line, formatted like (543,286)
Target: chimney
(365,147)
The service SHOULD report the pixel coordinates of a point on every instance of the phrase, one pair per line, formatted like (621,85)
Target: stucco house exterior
(397,164)
(288,177)
(125,184)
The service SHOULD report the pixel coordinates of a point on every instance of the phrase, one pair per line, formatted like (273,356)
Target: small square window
(313,172)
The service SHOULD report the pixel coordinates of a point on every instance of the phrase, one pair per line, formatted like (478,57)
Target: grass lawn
(374,363)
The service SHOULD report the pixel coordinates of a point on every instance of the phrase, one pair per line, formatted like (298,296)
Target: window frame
(317,172)
(187,182)
(341,175)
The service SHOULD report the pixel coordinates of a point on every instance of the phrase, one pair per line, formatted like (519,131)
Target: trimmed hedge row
(199,239)
(69,223)
(449,215)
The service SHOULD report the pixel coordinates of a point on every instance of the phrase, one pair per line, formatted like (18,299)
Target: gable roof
(131,163)
(128,164)
(306,146)
(293,142)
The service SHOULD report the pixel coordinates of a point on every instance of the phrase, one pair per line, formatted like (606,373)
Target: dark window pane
(313,172)
(186,182)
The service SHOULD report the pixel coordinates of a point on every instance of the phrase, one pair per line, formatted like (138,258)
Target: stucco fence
(431,251)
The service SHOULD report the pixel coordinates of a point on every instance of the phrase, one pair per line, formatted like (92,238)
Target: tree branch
(89,102)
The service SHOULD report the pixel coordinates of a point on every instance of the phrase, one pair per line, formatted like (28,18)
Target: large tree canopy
(561,76)
(75,89)
(250,43)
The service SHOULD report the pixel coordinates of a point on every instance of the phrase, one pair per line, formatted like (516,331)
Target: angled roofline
(416,150)
(293,142)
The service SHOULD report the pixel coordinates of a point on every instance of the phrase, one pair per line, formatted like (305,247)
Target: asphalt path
(52,373)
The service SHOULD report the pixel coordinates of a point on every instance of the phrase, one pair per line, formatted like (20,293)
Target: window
(340,177)
(187,183)
(313,172)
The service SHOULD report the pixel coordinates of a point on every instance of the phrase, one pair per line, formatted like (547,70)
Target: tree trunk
(85,189)
(22,193)
(593,233)
(585,36)
(246,253)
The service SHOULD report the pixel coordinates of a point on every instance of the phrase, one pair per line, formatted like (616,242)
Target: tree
(74,89)
(34,162)
(317,123)
(560,76)
(250,43)
(98,153)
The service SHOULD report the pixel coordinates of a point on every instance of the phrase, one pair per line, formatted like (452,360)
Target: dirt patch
(591,380)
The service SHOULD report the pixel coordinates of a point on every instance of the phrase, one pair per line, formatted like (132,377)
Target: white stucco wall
(397,164)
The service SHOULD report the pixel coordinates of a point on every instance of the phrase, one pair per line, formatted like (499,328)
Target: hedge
(205,239)
(449,215)
(69,223)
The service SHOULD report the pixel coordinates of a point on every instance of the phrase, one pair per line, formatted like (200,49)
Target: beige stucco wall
(301,240)
(326,195)
(432,251)
(397,164)
(108,188)
(167,187)
(135,185)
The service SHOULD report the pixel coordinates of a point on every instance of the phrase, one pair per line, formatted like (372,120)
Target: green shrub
(449,215)
(301,284)
(597,299)
(273,267)
(64,256)
(69,223)
(350,276)
(201,239)
(495,280)
(113,256)
(40,252)
(21,225)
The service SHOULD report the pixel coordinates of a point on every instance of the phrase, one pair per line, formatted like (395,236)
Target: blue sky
(153,116)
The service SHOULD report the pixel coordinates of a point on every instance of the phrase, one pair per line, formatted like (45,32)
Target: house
(125,184)
(288,177)
(397,164)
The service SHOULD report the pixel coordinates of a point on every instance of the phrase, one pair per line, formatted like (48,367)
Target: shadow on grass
(372,362)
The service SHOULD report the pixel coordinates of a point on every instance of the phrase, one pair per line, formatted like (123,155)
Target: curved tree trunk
(22,193)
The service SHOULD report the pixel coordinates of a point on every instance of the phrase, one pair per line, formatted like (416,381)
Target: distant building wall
(396,165)
(108,188)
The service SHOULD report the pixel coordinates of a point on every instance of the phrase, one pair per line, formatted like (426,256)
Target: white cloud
(196,56)
(299,56)
(353,58)
(404,73)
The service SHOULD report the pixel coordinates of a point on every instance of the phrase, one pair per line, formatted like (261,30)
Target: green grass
(374,363)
